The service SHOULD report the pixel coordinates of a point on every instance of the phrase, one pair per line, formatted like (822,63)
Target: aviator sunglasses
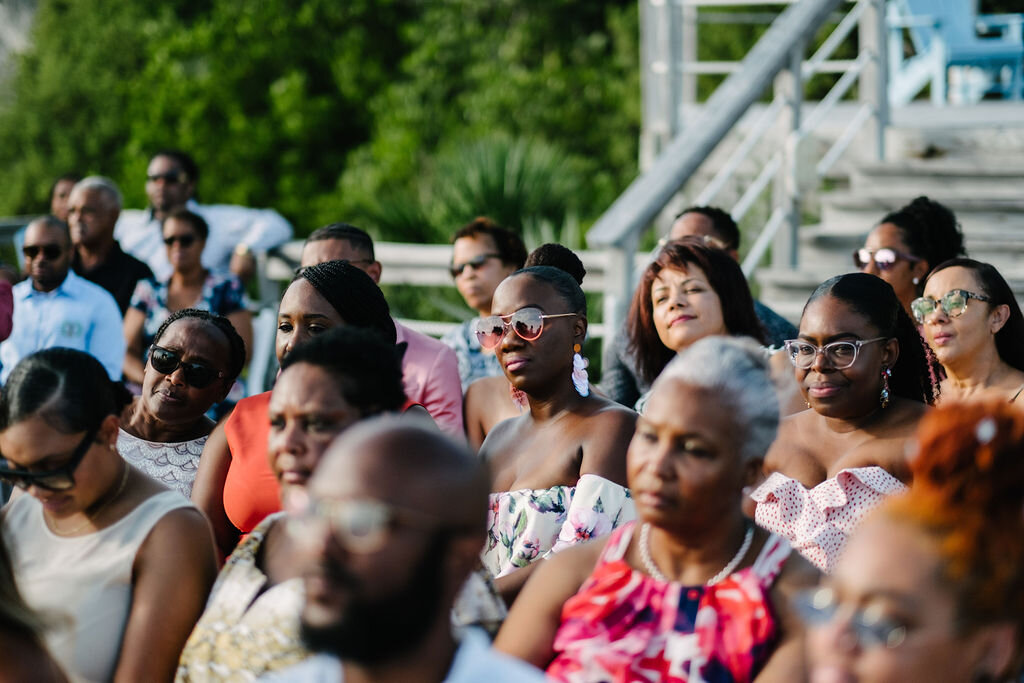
(870,627)
(884,258)
(527,322)
(953,304)
(58,479)
(196,375)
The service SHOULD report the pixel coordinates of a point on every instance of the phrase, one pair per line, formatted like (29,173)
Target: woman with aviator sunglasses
(121,563)
(971,319)
(190,286)
(904,247)
(865,374)
(559,468)
(931,586)
(194,359)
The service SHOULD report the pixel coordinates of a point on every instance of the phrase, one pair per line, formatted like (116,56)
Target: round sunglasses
(196,375)
(953,303)
(885,258)
(527,322)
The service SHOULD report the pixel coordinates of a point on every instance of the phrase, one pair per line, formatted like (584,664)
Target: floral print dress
(523,525)
(627,627)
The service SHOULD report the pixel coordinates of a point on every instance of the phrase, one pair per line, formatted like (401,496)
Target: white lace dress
(172,464)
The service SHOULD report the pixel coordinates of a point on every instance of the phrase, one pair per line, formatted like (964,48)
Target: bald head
(407,464)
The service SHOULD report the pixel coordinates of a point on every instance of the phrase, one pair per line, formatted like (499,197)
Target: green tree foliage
(358,110)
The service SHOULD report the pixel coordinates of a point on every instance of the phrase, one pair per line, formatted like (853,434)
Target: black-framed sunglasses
(170,177)
(953,304)
(475,263)
(839,354)
(50,252)
(185,241)
(885,258)
(58,479)
(527,322)
(871,628)
(196,375)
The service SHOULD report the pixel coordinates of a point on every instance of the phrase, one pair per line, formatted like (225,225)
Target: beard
(373,631)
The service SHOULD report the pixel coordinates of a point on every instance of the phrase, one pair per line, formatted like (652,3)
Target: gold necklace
(90,518)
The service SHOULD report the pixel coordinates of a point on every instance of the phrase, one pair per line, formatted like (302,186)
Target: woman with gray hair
(692,568)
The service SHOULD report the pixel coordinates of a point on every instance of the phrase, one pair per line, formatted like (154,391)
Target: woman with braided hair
(931,586)
(234,485)
(865,375)
(907,244)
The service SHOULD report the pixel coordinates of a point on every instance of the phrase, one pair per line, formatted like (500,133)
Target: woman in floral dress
(691,591)
(559,468)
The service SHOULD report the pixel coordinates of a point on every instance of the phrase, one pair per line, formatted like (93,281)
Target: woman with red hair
(931,586)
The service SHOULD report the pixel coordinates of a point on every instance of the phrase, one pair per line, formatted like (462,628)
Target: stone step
(855,211)
(939,178)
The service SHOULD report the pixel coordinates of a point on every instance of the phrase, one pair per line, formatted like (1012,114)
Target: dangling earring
(579,372)
(807,403)
(519,399)
(884,397)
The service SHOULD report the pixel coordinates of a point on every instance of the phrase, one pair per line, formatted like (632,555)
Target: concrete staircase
(986,195)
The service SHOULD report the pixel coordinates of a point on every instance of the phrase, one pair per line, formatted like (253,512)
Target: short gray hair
(99,182)
(736,369)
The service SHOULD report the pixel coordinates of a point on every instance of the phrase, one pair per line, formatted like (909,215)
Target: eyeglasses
(196,375)
(362,525)
(170,177)
(953,304)
(871,628)
(527,322)
(58,479)
(884,258)
(50,252)
(185,241)
(840,354)
(476,263)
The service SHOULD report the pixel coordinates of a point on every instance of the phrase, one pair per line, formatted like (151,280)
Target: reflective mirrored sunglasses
(475,263)
(839,354)
(527,322)
(884,258)
(58,479)
(196,375)
(185,241)
(362,525)
(49,251)
(953,304)
(818,607)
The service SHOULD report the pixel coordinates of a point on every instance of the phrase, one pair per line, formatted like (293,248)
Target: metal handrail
(779,51)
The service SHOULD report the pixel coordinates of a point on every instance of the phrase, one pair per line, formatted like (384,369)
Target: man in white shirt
(55,307)
(235,231)
(392,526)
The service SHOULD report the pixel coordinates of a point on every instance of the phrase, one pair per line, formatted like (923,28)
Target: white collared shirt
(77,314)
(141,235)
(474,661)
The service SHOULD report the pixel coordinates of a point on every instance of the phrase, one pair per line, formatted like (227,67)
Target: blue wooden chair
(944,33)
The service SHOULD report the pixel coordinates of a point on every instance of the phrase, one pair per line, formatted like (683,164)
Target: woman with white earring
(971,320)
(559,469)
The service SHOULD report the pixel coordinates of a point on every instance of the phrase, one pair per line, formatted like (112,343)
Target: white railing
(675,145)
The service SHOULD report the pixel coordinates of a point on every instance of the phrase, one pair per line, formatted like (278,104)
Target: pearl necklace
(94,515)
(652,569)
